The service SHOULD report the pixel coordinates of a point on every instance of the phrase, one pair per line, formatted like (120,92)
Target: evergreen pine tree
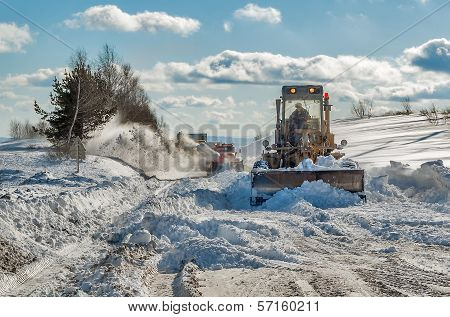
(95,108)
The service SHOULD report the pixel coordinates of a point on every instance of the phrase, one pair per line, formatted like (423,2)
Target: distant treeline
(25,130)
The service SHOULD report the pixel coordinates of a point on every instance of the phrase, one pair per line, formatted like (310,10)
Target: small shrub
(446,114)
(432,114)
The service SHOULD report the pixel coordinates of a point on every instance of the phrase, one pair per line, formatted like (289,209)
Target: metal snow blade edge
(266,183)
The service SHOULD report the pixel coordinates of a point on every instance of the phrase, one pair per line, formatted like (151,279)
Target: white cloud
(221,116)
(8,95)
(254,12)
(23,102)
(206,109)
(234,67)
(13,37)
(224,115)
(433,55)
(188,101)
(356,17)
(5,108)
(41,77)
(227,26)
(387,79)
(196,102)
(105,17)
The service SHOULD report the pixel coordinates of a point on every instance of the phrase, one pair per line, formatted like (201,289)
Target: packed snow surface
(109,231)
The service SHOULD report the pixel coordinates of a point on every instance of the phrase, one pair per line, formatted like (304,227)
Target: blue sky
(225,61)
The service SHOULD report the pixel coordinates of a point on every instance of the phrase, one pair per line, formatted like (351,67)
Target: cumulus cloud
(106,17)
(41,77)
(433,55)
(188,101)
(254,12)
(8,95)
(266,68)
(227,26)
(221,116)
(389,79)
(5,108)
(196,102)
(13,38)
(205,108)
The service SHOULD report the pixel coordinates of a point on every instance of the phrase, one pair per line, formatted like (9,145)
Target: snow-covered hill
(408,139)
(108,231)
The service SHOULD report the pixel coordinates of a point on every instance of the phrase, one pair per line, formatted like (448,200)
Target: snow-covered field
(408,139)
(108,231)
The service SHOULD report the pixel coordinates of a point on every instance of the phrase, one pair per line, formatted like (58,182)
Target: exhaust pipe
(278,126)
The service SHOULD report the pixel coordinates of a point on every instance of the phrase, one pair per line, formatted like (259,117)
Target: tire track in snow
(19,284)
(396,277)
(25,280)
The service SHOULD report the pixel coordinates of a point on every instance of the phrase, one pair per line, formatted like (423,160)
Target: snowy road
(359,250)
(109,232)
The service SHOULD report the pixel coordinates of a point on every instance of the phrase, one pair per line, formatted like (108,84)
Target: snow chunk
(326,163)
(214,253)
(317,194)
(429,183)
(307,165)
(140,237)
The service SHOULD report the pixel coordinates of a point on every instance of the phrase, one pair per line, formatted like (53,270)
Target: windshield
(304,114)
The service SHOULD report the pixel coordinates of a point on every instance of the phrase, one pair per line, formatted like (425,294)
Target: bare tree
(363,108)
(358,109)
(27,130)
(14,129)
(22,130)
(127,95)
(133,102)
(108,66)
(432,114)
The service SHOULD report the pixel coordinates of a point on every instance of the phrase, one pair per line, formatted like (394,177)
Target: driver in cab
(298,120)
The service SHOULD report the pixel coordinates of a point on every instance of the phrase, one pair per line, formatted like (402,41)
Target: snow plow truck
(302,132)
(215,156)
